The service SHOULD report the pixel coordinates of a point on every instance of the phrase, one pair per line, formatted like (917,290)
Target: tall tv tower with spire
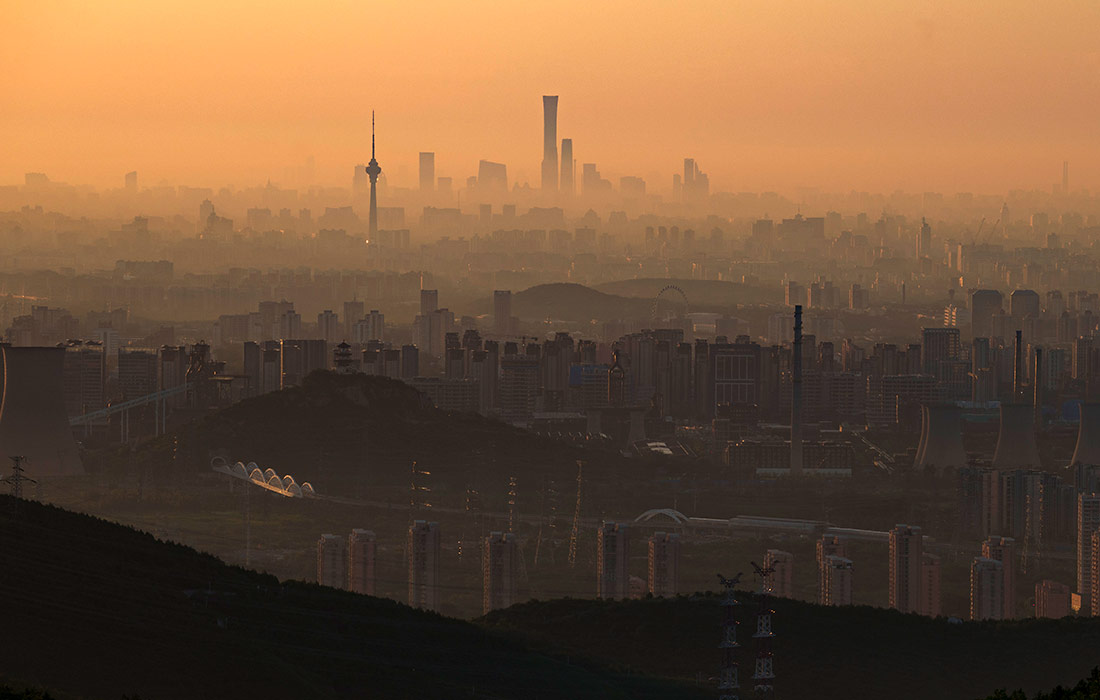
(373,170)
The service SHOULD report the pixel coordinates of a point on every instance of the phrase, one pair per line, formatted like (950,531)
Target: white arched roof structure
(674,515)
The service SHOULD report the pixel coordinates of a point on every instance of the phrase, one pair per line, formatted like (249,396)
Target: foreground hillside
(95,610)
(822,653)
(1087,689)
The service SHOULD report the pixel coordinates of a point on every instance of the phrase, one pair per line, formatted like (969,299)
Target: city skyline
(929,105)
(510,350)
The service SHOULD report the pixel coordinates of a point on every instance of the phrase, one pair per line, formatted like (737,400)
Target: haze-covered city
(558,370)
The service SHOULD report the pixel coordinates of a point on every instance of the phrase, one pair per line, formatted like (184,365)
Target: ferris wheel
(671,302)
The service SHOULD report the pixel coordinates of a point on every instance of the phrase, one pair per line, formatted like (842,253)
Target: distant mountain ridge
(629,299)
(575,303)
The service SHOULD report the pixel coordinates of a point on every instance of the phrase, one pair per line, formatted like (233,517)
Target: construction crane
(992,229)
(974,239)
(576,516)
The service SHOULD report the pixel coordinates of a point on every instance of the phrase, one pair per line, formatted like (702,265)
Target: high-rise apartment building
(986,589)
(502,311)
(906,550)
(290,325)
(353,312)
(372,327)
(781,582)
(361,548)
(429,301)
(332,561)
(410,362)
(984,304)
(930,598)
(500,570)
(300,357)
(1024,303)
(827,546)
(1088,521)
(938,345)
(328,326)
(1052,599)
(1094,575)
(137,372)
(423,556)
(1003,549)
(520,378)
(612,561)
(84,376)
(837,581)
(664,564)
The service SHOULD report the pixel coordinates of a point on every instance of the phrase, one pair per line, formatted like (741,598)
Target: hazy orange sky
(765,94)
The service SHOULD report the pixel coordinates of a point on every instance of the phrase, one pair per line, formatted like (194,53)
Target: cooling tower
(1088,436)
(1016,446)
(33,421)
(941,443)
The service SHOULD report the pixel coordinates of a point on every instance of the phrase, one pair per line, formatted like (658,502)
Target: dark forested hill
(820,652)
(95,610)
(340,431)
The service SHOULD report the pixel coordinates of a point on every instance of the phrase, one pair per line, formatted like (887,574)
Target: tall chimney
(1037,387)
(1018,369)
(796,394)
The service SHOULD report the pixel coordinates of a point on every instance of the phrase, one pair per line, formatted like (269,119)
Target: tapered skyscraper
(549,143)
(373,170)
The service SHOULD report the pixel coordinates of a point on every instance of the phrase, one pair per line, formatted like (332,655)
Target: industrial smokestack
(941,441)
(1037,388)
(1087,451)
(33,420)
(796,395)
(1016,446)
(1017,368)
